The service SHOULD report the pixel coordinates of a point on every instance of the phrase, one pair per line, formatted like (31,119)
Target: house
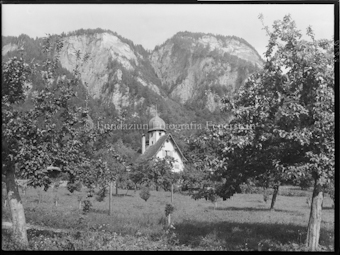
(160,144)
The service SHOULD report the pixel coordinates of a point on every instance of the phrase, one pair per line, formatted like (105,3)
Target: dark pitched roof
(177,148)
(152,150)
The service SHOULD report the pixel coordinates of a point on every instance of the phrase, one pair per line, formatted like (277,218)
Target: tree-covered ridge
(136,47)
(188,37)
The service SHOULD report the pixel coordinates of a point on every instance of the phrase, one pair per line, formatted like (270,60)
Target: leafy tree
(15,73)
(283,122)
(291,103)
(145,194)
(32,138)
(200,177)
(157,172)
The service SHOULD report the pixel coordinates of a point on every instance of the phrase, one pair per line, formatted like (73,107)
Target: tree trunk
(16,208)
(79,205)
(116,184)
(276,191)
(110,198)
(169,220)
(314,224)
(4,194)
(56,198)
(172,193)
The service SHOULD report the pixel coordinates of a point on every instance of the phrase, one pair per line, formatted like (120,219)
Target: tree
(15,73)
(157,172)
(291,103)
(35,137)
(283,121)
(200,177)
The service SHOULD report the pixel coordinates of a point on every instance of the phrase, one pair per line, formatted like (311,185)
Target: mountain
(197,69)
(185,77)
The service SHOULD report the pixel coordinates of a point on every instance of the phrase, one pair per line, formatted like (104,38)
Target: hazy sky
(151,24)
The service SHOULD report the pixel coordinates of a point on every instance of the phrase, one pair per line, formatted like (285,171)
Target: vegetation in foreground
(244,222)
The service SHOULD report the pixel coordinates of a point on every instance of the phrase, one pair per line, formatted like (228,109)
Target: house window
(168,153)
(160,133)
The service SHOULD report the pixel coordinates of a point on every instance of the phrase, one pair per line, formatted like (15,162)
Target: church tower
(161,144)
(156,129)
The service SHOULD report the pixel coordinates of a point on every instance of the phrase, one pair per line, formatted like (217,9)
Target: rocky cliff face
(196,67)
(110,59)
(8,48)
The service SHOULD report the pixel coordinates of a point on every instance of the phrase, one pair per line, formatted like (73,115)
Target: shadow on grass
(328,208)
(252,209)
(234,236)
(122,195)
(249,209)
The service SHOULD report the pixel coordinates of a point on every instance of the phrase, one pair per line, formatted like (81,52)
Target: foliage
(203,178)
(48,129)
(40,130)
(169,208)
(291,103)
(101,194)
(290,106)
(71,187)
(185,36)
(330,190)
(145,194)
(157,172)
(248,187)
(305,182)
(15,73)
(86,206)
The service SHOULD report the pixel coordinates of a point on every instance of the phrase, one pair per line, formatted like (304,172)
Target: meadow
(243,222)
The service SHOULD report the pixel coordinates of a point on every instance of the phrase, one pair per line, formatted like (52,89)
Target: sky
(152,24)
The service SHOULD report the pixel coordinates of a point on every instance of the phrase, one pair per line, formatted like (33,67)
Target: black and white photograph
(203,126)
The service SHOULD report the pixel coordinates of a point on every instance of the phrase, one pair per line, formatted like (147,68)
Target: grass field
(241,223)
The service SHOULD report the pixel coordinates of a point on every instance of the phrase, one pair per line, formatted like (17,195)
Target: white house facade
(161,144)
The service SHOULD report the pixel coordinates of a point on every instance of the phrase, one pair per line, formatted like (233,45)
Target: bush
(145,194)
(87,206)
(76,186)
(169,208)
(101,194)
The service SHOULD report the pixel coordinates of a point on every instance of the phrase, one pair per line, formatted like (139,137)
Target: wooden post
(172,193)
(110,198)
(172,199)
